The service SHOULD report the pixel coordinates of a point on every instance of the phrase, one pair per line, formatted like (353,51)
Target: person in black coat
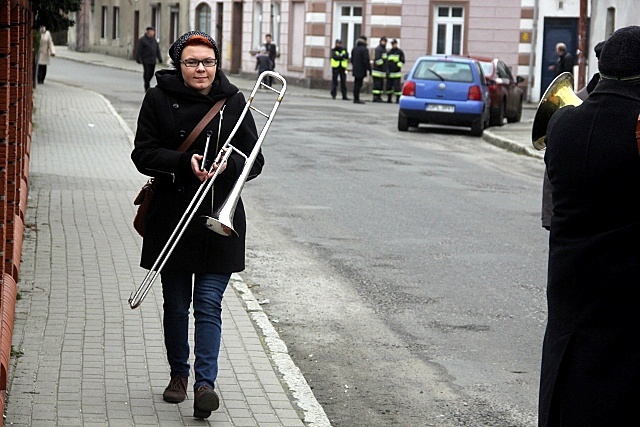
(202,259)
(147,53)
(361,65)
(564,62)
(590,374)
(547,203)
(272,50)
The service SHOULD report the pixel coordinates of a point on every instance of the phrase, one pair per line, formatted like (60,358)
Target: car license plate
(441,108)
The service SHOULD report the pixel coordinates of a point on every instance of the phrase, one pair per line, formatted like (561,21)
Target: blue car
(445,90)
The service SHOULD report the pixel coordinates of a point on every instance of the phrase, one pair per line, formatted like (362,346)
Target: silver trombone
(222,220)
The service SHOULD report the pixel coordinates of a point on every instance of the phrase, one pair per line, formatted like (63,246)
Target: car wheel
(498,119)
(518,116)
(403,122)
(477,127)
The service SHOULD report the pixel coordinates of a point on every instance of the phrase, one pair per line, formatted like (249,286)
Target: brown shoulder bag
(144,197)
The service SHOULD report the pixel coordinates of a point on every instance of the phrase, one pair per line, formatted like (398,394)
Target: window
(116,23)
(257,25)
(174,24)
(348,23)
(103,22)
(203,18)
(296,36)
(444,71)
(610,25)
(448,30)
(155,20)
(275,22)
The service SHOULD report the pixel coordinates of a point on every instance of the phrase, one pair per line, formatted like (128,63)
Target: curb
(314,415)
(509,145)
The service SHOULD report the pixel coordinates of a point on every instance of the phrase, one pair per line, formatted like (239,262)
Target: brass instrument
(222,220)
(559,94)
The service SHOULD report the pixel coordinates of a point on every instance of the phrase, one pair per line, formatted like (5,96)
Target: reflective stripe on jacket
(339,58)
(395,60)
(380,61)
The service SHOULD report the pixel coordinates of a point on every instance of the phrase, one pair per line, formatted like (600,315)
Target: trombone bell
(220,226)
(559,94)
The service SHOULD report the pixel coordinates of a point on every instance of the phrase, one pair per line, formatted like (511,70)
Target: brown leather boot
(205,401)
(176,391)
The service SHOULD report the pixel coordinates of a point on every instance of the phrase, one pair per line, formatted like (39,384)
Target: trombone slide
(222,221)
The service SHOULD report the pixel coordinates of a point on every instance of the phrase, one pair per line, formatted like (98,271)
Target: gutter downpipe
(532,56)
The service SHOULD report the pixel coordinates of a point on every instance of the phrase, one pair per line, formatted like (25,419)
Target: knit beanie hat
(620,57)
(175,51)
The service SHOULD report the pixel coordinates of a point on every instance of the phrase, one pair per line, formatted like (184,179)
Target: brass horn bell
(559,94)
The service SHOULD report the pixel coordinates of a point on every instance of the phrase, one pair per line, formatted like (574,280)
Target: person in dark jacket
(263,61)
(339,64)
(590,375)
(147,53)
(547,203)
(379,72)
(202,261)
(564,62)
(361,65)
(585,91)
(272,50)
(395,61)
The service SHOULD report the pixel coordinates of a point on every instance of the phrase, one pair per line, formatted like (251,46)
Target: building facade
(112,27)
(304,30)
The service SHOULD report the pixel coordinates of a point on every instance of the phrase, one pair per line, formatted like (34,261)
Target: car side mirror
(405,76)
(490,82)
(519,79)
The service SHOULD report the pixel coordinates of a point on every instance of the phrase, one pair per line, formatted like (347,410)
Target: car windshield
(430,69)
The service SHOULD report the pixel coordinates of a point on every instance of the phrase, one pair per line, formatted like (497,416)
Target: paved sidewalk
(83,357)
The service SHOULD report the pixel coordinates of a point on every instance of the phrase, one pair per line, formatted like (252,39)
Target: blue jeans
(208,290)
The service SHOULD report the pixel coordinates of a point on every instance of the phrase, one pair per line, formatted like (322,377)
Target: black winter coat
(591,352)
(360,60)
(147,50)
(168,114)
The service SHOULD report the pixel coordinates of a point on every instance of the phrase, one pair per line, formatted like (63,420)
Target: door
(236,38)
(557,30)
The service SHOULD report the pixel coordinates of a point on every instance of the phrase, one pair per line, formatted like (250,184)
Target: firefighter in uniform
(379,72)
(395,59)
(339,64)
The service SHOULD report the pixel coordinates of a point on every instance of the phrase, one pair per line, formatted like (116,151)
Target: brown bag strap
(198,129)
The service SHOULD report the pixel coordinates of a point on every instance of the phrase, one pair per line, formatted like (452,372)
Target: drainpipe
(532,55)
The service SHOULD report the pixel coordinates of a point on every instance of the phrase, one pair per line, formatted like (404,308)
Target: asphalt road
(405,271)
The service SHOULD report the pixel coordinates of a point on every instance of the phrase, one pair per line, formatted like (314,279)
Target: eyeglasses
(193,63)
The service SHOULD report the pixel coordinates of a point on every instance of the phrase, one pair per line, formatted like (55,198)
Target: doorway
(557,30)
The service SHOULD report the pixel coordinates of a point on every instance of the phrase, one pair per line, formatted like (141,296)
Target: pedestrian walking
(339,64)
(272,50)
(203,261)
(46,51)
(361,65)
(263,61)
(395,61)
(379,72)
(147,53)
(590,374)
(564,62)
